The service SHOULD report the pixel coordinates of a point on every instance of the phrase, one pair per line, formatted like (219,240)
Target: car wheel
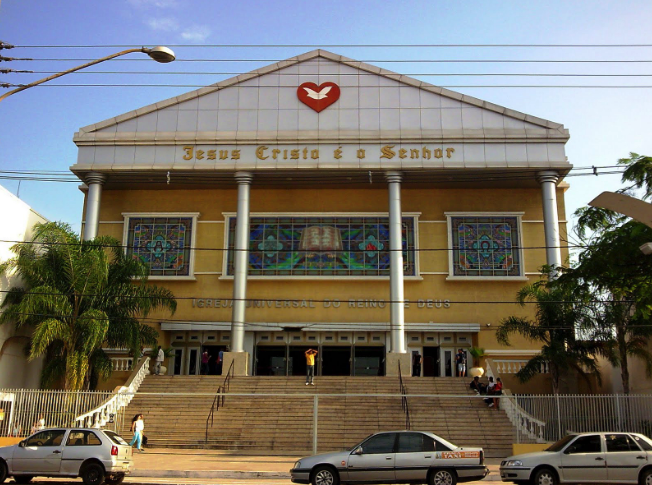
(443,477)
(23,478)
(93,474)
(3,471)
(324,475)
(115,479)
(545,476)
(646,478)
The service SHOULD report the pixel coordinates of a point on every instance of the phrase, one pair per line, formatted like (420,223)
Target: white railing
(513,366)
(528,428)
(24,410)
(109,412)
(122,363)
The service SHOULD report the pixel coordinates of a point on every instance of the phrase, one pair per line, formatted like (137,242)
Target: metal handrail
(404,399)
(218,400)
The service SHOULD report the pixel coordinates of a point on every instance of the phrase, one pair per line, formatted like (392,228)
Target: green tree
(554,329)
(80,296)
(614,277)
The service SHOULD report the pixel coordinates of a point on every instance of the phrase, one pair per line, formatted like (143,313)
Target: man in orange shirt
(310,366)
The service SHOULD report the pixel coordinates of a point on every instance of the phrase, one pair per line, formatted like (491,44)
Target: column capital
(95,178)
(548,176)
(243,177)
(394,176)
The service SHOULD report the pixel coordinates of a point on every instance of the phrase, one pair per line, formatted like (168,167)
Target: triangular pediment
(374,104)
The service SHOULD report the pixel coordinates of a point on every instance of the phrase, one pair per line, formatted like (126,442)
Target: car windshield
(116,438)
(561,443)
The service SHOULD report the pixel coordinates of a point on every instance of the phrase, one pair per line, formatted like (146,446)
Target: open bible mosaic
(323,246)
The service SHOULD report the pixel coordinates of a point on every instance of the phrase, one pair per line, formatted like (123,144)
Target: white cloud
(154,3)
(163,24)
(196,34)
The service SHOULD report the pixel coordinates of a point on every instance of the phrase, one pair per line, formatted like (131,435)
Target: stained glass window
(322,246)
(485,246)
(162,243)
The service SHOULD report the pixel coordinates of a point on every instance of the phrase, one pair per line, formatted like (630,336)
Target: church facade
(325,203)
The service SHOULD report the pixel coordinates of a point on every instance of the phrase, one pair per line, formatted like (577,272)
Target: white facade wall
(16,224)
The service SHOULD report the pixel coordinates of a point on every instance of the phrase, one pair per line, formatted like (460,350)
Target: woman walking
(137,428)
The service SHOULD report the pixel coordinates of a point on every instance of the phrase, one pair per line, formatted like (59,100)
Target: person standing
(460,359)
(137,428)
(310,366)
(204,363)
(160,357)
(416,364)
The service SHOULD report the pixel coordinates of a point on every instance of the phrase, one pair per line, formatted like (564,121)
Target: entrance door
(270,360)
(447,364)
(431,366)
(297,360)
(335,361)
(214,367)
(193,361)
(369,361)
(177,362)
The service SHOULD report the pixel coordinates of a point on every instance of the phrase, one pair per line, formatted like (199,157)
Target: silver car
(97,456)
(585,458)
(394,457)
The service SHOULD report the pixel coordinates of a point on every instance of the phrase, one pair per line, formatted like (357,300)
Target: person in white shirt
(160,357)
(137,428)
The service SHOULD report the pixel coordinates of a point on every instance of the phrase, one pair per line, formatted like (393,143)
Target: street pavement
(159,466)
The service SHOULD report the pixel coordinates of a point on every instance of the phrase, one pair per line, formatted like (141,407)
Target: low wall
(4,441)
(520,448)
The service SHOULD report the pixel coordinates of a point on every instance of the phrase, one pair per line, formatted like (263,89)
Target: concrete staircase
(176,408)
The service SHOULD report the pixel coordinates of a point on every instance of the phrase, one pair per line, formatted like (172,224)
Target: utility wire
(379,61)
(456,86)
(258,46)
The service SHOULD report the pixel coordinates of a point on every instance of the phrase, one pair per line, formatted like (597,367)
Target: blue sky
(37,125)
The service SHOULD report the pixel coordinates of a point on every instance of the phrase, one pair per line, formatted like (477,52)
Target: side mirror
(21,444)
(358,451)
(570,450)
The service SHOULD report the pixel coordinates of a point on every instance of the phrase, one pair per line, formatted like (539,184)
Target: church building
(321,202)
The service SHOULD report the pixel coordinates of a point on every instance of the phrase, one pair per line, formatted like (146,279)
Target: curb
(141,473)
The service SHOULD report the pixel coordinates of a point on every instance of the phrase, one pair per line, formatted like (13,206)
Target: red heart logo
(318,97)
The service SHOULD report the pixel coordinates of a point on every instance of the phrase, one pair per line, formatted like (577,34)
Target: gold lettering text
(294,154)
(439,153)
(212,155)
(402,153)
(414,153)
(449,152)
(387,152)
(260,153)
(314,154)
(361,153)
(426,153)
(305,153)
(337,154)
(224,154)
(199,154)
(188,155)
(235,154)
(275,153)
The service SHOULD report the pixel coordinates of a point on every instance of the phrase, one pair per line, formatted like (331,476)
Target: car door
(414,455)
(583,460)
(40,453)
(80,445)
(624,458)
(373,461)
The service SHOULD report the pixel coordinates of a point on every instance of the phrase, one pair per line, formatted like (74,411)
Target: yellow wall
(432,232)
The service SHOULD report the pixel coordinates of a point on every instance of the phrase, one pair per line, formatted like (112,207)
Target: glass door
(193,361)
(447,362)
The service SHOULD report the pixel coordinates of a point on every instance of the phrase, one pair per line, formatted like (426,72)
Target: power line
(456,86)
(266,46)
(379,61)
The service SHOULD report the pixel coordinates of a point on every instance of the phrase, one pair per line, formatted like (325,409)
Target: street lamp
(159,54)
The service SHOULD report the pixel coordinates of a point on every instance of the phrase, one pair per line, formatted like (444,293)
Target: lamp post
(159,54)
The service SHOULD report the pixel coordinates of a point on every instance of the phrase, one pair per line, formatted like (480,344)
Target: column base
(391,364)
(240,363)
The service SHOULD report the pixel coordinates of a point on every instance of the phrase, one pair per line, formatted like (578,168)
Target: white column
(94,181)
(240,261)
(548,181)
(397,309)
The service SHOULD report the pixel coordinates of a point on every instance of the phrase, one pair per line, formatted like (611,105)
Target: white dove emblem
(318,95)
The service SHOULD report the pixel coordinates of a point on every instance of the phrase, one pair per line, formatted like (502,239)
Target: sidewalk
(206,464)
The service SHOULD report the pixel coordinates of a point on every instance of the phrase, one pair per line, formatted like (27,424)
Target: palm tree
(80,296)
(554,328)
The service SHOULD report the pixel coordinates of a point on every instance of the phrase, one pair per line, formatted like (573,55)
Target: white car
(97,456)
(394,457)
(585,458)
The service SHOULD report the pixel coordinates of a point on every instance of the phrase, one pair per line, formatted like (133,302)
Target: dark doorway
(431,362)
(270,361)
(178,362)
(214,364)
(369,361)
(335,361)
(297,361)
